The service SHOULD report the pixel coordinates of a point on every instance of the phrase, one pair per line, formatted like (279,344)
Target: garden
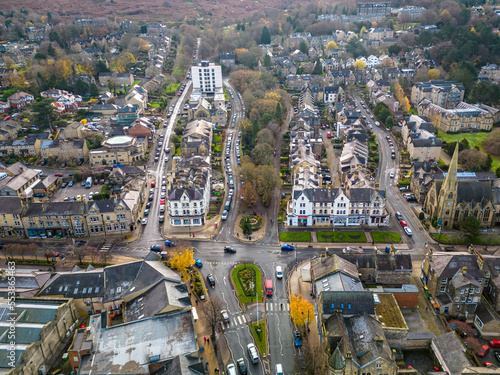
(250,223)
(386,237)
(295,237)
(247,279)
(259,333)
(341,237)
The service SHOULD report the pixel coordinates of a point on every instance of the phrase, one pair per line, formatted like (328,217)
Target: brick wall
(406,300)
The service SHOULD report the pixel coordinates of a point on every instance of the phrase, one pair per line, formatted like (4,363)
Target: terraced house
(11,212)
(55,220)
(112,216)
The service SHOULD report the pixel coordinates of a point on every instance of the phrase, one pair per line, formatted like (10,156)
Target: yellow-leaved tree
(359,65)
(301,310)
(433,74)
(182,259)
(331,45)
(404,103)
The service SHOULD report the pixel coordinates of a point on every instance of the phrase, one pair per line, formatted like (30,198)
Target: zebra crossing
(276,307)
(105,248)
(235,321)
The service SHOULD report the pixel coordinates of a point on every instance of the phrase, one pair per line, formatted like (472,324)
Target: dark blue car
(287,247)
(198,263)
(169,243)
(156,248)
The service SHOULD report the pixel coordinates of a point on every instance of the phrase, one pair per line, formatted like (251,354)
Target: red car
(483,351)
(58,174)
(162,201)
(486,364)
(495,343)
(153,184)
(403,223)
(328,135)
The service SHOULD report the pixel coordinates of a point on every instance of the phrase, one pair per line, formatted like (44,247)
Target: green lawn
(217,138)
(295,237)
(136,82)
(260,339)
(483,239)
(172,87)
(474,139)
(341,237)
(386,237)
(155,105)
(241,295)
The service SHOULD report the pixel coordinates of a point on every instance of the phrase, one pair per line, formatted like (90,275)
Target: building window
(443,289)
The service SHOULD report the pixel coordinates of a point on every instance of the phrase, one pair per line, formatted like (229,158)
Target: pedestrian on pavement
(205,339)
(196,301)
(208,340)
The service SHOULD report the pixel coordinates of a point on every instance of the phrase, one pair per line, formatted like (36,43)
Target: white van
(279,272)
(278,370)
(252,353)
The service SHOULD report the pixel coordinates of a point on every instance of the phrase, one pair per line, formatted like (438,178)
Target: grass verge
(260,337)
(241,295)
(485,239)
(295,237)
(341,237)
(386,237)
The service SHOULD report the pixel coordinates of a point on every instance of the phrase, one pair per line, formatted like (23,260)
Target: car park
(211,280)
(229,249)
(198,263)
(287,247)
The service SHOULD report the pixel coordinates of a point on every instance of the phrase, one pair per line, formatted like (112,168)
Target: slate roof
(193,194)
(477,192)
(316,195)
(334,264)
(451,351)
(447,265)
(427,142)
(105,205)
(364,194)
(401,262)
(75,284)
(350,303)
(56,208)
(10,205)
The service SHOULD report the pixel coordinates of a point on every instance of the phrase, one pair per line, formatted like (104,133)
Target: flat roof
(388,312)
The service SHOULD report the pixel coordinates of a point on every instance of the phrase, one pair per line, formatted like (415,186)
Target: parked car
(70,184)
(241,366)
(58,174)
(496,353)
(64,185)
(169,243)
(483,350)
(287,247)
(399,216)
(495,343)
(352,250)
(156,248)
(231,369)
(146,212)
(198,263)
(391,175)
(408,231)
(229,249)
(144,221)
(403,223)
(161,218)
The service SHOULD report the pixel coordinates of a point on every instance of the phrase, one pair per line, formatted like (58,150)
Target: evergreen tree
(278,114)
(267,61)
(94,91)
(44,113)
(303,46)
(318,69)
(265,37)
(51,51)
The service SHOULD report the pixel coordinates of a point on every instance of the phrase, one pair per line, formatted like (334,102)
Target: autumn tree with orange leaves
(301,310)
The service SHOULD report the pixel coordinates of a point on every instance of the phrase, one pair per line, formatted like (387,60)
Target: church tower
(448,194)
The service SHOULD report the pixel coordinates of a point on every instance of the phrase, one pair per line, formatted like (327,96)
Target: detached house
(20,99)
(188,206)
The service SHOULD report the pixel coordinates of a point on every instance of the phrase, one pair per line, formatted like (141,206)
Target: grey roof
(317,195)
(364,194)
(75,285)
(129,346)
(401,262)
(105,205)
(10,205)
(119,278)
(364,332)
(56,208)
(451,351)
(193,194)
(447,265)
(350,303)
(477,192)
(427,142)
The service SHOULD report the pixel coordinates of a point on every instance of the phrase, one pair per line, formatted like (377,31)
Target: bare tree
(314,360)
(211,312)
(404,18)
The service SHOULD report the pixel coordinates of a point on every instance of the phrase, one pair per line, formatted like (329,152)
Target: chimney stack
(464,271)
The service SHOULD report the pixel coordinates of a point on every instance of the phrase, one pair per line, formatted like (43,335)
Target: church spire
(451,176)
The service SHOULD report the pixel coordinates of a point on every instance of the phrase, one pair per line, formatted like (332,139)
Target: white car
(408,231)
(224,215)
(163,195)
(145,221)
(391,175)
(225,315)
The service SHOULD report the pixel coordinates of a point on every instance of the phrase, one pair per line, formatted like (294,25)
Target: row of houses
(23,218)
(189,194)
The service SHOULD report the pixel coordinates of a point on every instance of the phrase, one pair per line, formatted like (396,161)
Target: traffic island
(247,280)
(250,228)
(258,330)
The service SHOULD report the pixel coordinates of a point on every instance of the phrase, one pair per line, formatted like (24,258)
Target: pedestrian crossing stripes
(106,247)
(276,306)
(234,322)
